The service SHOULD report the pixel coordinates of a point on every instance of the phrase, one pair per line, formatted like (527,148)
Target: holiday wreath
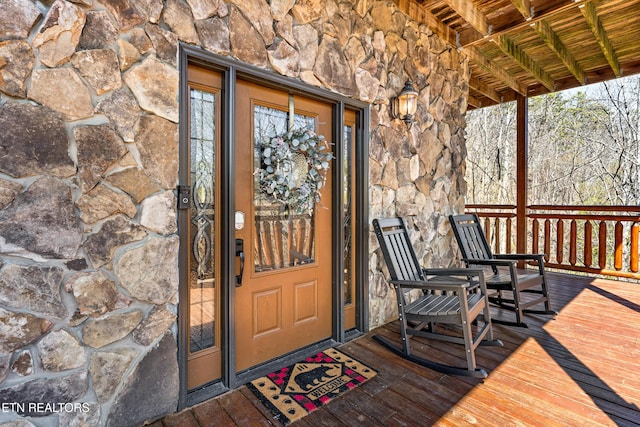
(293,168)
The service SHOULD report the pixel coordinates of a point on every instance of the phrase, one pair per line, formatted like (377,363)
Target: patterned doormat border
(296,390)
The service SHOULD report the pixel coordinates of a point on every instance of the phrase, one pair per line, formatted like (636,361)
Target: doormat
(296,390)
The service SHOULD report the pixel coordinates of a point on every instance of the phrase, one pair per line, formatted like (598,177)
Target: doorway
(262,280)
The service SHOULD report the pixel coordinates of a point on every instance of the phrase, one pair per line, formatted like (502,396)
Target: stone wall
(88,168)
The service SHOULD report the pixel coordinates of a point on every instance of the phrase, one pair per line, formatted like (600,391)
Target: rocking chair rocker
(477,253)
(455,296)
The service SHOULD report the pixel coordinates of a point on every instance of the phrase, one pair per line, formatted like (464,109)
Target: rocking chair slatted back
(398,251)
(473,243)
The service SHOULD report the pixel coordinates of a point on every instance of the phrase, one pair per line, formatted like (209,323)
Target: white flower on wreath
(294,167)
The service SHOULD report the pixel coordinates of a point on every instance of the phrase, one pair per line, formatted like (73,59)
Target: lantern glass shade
(404,105)
(407,101)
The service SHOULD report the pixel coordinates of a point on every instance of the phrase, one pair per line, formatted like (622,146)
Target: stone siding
(89,163)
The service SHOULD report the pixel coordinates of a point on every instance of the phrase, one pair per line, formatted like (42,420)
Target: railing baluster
(588,243)
(617,263)
(635,253)
(547,240)
(497,233)
(487,229)
(572,242)
(602,245)
(508,237)
(536,236)
(559,241)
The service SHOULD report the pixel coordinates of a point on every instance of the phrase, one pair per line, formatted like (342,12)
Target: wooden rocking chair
(440,296)
(476,252)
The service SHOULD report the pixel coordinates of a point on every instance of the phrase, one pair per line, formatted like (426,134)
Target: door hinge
(184,197)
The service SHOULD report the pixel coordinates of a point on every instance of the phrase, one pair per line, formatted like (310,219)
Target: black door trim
(232,70)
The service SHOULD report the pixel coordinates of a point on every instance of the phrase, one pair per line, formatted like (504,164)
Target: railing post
(522,153)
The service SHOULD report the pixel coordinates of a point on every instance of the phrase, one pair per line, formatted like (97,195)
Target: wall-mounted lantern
(405,104)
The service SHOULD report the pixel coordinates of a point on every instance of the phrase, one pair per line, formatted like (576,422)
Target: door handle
(240,254)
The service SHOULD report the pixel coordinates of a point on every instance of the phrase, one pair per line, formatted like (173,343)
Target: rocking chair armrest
(537,257)
(458,285)
(474,276)
(497,262)
(475,272)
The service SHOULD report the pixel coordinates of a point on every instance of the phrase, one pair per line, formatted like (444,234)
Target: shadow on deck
(581,368)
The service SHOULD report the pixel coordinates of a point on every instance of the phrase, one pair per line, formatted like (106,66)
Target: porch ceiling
(534,47)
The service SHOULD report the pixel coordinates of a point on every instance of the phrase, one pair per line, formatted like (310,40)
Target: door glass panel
(347,214)
(202,269)
(284,237)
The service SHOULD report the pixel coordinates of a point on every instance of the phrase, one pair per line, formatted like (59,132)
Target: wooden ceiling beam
(514,29)
(474,102)
(480,86)
(524,7)
(479,59)
(470,13)
(591,16)
(509,47)
(421,15)
(555,44)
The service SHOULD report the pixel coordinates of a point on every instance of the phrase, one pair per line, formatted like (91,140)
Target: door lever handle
(240,254)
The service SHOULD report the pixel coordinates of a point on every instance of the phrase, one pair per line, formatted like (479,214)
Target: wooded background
(584,148)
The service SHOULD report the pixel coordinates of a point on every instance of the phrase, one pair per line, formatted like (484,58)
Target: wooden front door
(283,295)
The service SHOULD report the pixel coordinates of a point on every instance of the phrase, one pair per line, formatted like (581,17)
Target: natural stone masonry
(95,294)
(58,37)
(23,365)
(107,370)
(60,351)
(100,68)
(99,148)
(150,272)
(109,328)
(102,202)
(157,371)
(89,165)
(14,73)
(18,330)
(34,288)
(26,149)
(115,232)
(72,100)
(17,19)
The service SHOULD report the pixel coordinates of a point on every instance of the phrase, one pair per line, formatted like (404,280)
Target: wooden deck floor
(580,369)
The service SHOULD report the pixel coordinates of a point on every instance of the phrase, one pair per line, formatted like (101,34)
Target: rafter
(508,46)
(555,44)
(474,102)
(519,27)
(480,86)
(421,15)
(479,59)
(591,16)
(470,13)
(524,7)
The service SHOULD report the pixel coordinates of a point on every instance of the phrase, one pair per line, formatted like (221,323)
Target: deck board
(579,369)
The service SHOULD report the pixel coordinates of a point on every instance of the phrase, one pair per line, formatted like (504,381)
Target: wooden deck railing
(591,239)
